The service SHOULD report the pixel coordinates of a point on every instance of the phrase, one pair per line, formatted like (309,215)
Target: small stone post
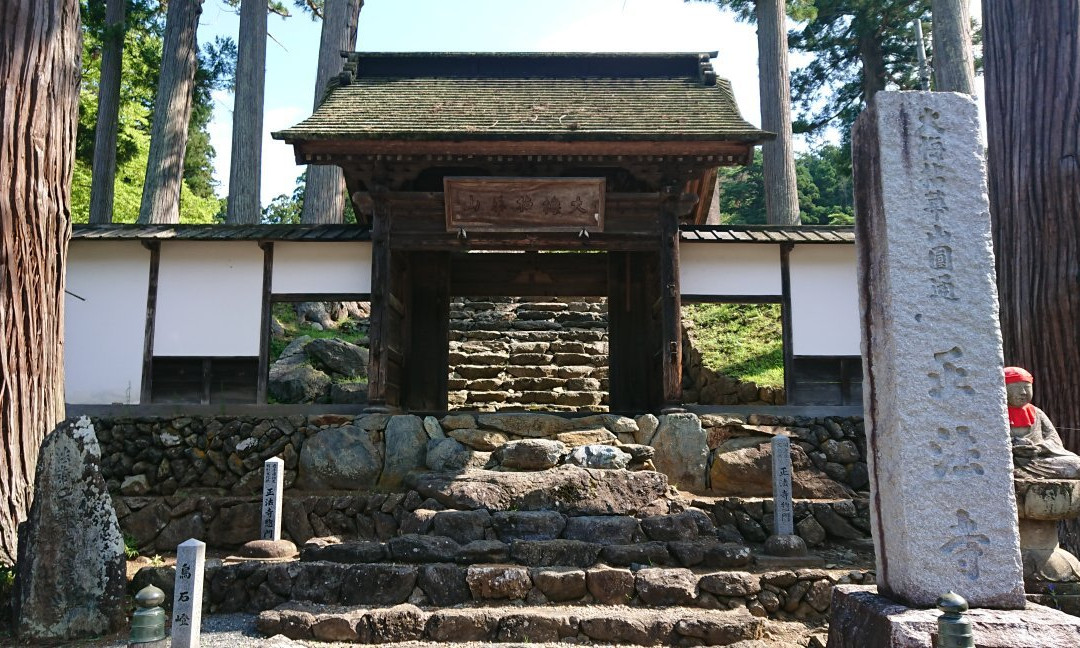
(783,542)
(187,599)
(273,471)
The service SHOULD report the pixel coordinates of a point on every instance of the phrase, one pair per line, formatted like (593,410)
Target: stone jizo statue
(1037,449)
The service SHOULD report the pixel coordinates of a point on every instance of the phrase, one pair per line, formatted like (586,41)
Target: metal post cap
(149,596)
(952,603)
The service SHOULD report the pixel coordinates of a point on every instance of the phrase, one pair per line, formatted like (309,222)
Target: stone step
(529,624)
(426,549)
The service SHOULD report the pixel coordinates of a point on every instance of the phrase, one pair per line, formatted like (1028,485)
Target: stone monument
(69,578)
(943,508)
(187,594)
(783,546)
(270,545)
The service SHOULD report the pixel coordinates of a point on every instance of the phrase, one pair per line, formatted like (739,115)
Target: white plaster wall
(209,300)
(322,267)
(824,300)
(729,269)
(103,335)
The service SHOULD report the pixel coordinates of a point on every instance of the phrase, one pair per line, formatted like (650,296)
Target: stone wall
(512,353)
(726,455)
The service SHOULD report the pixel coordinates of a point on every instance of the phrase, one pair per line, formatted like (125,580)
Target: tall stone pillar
(943,507)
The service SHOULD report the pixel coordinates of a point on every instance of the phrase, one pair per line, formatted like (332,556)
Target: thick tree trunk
(172,112)
(1032,54)
(778,155)
(954,65)
(39,91)
(872,58)
(246,165)
(108,115)
(324,200)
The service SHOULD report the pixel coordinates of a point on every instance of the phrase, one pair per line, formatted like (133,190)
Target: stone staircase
(567,554)
(510,353)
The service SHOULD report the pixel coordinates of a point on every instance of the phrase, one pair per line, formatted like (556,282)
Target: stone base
(269,549)
(862,618)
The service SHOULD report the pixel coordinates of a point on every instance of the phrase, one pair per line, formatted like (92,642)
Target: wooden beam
(323,151)
(319,297)
(517,241)
(529,275)
(785,316)
(378,338)
(146,389)
(264,323)
(731,299)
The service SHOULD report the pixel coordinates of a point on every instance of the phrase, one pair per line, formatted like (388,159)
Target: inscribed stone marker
(783,509)
(187,599)
(273,471)
(944,510)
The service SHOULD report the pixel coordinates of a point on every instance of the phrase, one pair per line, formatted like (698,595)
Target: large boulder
(743,466)
(69,580)
(342,458)
(293,380)
(526,425)
(338,356)
(567,489)
(406,448)
(682,451)
(530,454)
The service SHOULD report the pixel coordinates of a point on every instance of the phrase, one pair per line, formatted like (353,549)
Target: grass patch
(743,341)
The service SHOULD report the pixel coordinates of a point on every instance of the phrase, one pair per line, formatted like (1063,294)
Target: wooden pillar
(264,322)
(146,390)
(378,333)
(425,372)
(671,302)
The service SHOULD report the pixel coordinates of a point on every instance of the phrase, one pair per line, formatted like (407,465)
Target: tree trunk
(244,205)
(872,58)
(777,156)
(1032,54)
(39,92)
(954,65)
(103,178)
(172,112)
(324,200)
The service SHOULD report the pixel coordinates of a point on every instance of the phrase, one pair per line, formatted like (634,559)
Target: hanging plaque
(524,204)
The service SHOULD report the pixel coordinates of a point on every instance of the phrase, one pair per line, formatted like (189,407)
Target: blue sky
(475,25)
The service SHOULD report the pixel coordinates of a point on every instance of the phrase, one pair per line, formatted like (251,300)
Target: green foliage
(131,548)
(144,27)
(286,209)
(823,180)
(743,341)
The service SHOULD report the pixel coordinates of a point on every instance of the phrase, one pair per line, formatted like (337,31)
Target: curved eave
(315,150)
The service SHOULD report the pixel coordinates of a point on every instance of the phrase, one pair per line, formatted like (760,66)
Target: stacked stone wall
(513,353)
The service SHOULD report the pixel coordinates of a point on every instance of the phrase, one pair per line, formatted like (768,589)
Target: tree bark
(103,178)
(778,155)
(39,92)
(1032,54)
(245,168)
(872,57)
(172,112)
(954,65)
(324,199)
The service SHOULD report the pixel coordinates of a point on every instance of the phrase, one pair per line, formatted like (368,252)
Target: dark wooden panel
(635,376)
(825,380)
(379,333)
(425,383)
(529,275)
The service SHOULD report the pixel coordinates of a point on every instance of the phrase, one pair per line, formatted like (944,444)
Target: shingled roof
(527,97)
